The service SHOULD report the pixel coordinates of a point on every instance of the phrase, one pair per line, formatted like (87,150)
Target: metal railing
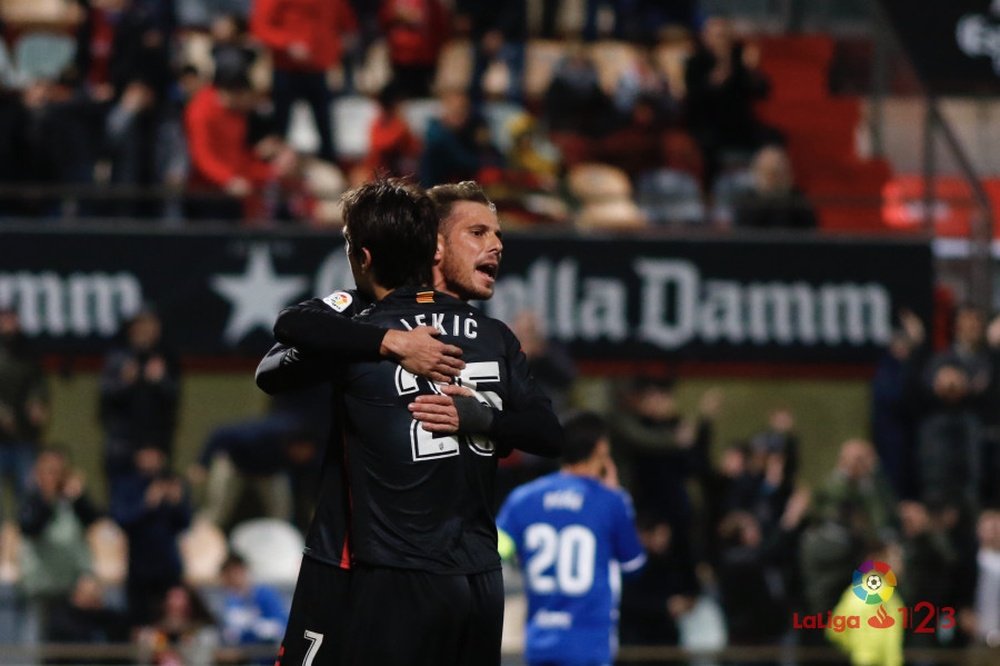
(805,656)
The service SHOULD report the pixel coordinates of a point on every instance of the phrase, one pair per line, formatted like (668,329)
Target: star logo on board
(256,296)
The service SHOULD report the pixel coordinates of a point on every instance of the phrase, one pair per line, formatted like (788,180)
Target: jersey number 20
(561,561)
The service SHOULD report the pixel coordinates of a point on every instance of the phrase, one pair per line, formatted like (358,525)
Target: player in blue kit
(574,533)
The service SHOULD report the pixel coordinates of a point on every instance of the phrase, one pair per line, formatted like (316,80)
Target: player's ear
(439,251)
(366,260)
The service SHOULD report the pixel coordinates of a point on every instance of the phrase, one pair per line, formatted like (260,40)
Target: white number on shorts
(315,640)
(571,550)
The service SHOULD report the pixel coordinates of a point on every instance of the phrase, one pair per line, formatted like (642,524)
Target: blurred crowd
(641,114)
(729,522)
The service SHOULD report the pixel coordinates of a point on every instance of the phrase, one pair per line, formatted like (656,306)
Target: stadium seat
(454,66)
(44,55)
(196,50)
(38,13)
(109,550)
(727,188)
(325,182)
(615,215)
(498,116)
(418,114)
(272,549)
(611,59)
(540,61)
(376,71)
(670,59)
(203,550)
(591,181)
(352,116)
(669,196)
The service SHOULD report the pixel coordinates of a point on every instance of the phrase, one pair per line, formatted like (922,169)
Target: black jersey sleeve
(312,336)
(527,421)
(286,368)
(314,327)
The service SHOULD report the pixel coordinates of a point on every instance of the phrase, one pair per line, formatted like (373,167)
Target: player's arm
(286,368)
(319,332)
(526,422)
(316,327)
(625,543)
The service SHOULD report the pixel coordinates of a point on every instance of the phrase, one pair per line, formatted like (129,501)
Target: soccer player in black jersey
(318,323)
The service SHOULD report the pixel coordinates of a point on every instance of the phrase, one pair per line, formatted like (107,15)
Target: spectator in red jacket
(222,159)
(305,38)
(415,31)
(393,148)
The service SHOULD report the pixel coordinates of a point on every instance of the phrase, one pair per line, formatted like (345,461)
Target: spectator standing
(986,624)
(722,83)
(499,32)
(141,78)
(141,47)
(928,562)
(250,453)
(895,399)
(24,403)
(949,438)
(227,167)
(153,508)
(577,110)
(251,614)
(457,145)
(663,448)
(857,486)
(550,362)
(53,519)
(231,52)
(666,588)
(306,38)
(968,352)
(140,388)
(393,148)
(415,31)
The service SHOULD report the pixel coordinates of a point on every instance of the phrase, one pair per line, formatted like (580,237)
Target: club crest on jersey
(339,300)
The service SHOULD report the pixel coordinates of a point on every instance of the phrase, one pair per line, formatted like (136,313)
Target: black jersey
(325,325)
(325,337)
(420,500)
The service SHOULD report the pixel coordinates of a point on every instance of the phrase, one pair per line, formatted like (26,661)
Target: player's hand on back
(436,413)
(439,413)
(420,352)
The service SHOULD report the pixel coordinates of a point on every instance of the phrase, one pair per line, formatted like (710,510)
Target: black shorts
(401,617)
(318,618)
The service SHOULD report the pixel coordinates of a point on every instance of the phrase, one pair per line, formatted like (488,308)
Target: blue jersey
(572,534)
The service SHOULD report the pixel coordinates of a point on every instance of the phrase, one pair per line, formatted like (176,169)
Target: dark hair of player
(396,221)
(583,432)
(445,196)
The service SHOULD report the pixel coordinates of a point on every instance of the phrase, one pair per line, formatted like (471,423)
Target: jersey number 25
(430,446)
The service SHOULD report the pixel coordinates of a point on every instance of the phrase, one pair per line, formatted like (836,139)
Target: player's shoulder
(524,493)
(609,496)
(343,301)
